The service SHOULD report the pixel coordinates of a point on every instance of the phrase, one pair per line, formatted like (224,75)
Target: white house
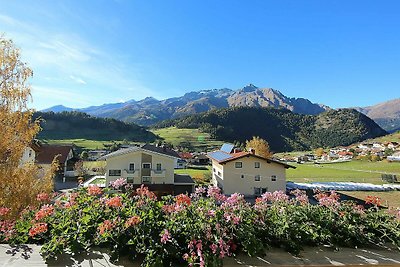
(246,173)
(149,165)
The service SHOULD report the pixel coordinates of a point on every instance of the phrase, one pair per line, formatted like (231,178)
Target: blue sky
(339,53)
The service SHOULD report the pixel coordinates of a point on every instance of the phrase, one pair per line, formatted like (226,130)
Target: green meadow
(191,138)
(353,171)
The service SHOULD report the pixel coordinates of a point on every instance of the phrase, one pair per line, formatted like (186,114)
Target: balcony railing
(130,173)
(158,173)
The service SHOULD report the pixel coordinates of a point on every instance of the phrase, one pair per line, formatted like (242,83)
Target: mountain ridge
(150,110)
(283,129)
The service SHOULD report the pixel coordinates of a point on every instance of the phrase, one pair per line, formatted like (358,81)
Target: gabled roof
(150,148)
(162,150)
(46,153)
(222,157)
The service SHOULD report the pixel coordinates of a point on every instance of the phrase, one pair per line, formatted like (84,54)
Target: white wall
(232,181)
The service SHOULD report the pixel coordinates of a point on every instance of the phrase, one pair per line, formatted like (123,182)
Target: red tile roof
(47,153)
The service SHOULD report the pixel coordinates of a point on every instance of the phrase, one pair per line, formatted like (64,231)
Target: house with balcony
(246,173)
(149,165)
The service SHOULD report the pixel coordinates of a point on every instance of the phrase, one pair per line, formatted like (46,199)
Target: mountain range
(284,130)
(150,111)
(386,114)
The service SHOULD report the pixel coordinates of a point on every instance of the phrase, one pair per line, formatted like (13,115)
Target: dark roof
(183,179)
(162,150)
(46,153)
(222,157)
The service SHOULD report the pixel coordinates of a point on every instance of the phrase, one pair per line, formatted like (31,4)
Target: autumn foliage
(260,146)
(20,182)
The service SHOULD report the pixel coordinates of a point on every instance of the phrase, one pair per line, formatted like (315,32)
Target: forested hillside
(283,129)
(71,125)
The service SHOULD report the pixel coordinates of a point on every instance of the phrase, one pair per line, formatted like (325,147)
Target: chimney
(237,150)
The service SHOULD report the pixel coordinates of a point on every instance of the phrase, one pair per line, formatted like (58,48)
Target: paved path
(29,256)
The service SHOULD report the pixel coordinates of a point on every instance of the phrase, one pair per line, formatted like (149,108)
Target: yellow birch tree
(260,146)
(19,182)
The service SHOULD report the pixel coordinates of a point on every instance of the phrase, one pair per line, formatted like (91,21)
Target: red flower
(182,199)
(43,197)
(114,202)
(4,211)
(376,201)
(45,211)
(38,228)
(107,225)
(94,190)
(145,192)
(132,221)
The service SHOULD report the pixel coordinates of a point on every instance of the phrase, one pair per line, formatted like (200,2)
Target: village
(234,170)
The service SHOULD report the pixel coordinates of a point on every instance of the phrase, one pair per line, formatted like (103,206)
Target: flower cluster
(132,221)
(114,202)
(43,197)
(301,196)
(37,229)
(105,226)
(182,200)
(215,193)
(94,190)
(165,236)
(201,230)
(144,192)
(45,210)
(376,201)
(277,196)
(328,200)
(118,184)
(4,211)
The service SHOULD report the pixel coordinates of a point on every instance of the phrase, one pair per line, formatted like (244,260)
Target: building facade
(149,165)
(247,173)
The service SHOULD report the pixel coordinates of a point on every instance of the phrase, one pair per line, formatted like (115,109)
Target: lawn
(198,175)
(188,137)
(354,171)
(82,144)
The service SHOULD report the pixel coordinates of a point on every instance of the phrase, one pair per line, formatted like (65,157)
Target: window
(219,173)
(114,172)
(132,166)
(238,165)
(146,179)
(257,165)
(257,191)
(213,169)
(129,180)
(242,176)
(273,178)
(158,167)
(257,178)
(146,165)
(30,153)
(264,190)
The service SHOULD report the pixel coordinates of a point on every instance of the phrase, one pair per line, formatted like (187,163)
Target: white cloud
(77,79)
(64,59)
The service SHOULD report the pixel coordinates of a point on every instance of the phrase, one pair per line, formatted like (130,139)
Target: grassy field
(80,143)
(198,140)
(354,171)
(199,176)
